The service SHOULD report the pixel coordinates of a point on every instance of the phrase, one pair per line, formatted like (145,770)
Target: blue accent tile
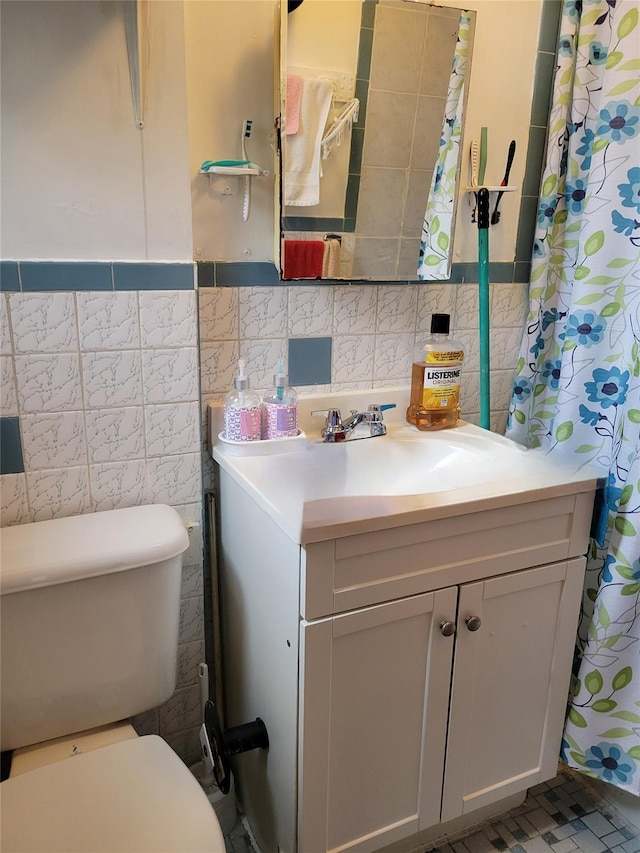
(500,272)
(368,14)
(11,461)
(297,223)
(523,273)
(526,227)
(309,361)
(329,223)
(150,276)
(535,156)
(364,54)
(64,275)
(357,147)
(206,275)
(9,276)
(362,94)
(627,832)
(248,274)
(545,69)
(462,272)
(549,23)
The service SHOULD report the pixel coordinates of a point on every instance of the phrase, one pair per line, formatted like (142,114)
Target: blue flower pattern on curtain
(577,388)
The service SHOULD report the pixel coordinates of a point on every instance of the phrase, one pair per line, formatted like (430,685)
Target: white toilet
(89,631)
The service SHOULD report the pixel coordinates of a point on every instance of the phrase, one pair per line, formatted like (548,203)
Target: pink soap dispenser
(280,408)
(242,409)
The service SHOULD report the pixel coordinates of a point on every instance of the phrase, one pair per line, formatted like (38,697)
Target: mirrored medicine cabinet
(397,76)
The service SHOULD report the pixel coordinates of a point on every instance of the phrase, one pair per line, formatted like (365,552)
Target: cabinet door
(373,715)
(510,683)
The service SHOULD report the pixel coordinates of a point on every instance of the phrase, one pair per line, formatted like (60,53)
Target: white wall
(79,180)
(230,77)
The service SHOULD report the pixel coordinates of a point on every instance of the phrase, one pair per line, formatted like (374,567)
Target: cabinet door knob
(472,623)
(447,628)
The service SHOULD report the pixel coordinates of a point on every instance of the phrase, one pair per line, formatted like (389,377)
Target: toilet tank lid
(45,553)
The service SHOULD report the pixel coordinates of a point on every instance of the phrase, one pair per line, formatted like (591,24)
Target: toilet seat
(135,796)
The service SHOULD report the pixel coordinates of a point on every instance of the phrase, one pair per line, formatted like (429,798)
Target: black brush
(495,216)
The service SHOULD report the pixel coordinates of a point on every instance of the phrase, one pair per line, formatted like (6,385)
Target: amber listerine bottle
(435,379)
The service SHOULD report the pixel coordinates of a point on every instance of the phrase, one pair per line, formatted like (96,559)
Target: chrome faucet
(335,429)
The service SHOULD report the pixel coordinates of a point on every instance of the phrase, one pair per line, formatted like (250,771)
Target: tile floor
(559,816)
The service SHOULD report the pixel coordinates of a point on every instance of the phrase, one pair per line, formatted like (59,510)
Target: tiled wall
(405,109)
(103,387)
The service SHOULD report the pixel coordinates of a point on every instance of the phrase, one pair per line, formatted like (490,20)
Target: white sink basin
(323,488)
(408,462)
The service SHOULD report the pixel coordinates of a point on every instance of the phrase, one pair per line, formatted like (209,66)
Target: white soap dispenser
(242,410)
(280,408)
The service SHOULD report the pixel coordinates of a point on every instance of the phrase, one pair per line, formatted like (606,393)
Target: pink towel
(303,258)
(294,94)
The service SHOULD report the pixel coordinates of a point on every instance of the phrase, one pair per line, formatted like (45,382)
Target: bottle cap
(440,324)
(280,378)
(241,382)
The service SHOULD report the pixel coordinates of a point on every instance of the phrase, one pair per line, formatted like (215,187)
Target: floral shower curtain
(434,261)
(577,388)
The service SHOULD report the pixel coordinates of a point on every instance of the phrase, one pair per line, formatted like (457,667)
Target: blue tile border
(150,276)
(64,275)
(11,460)
(40,276)
(9,278)
(258,274)
(237,274)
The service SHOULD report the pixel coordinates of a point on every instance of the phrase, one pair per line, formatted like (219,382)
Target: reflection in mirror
(390,75)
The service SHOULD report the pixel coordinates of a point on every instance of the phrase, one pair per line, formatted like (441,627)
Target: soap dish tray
(263,447)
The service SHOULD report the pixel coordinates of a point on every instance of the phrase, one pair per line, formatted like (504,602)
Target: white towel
(302,151)
(331,258)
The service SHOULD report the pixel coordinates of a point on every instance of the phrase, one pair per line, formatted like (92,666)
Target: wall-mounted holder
(478,158)
(221,170)
(498,189)
(231,167)
(495,216)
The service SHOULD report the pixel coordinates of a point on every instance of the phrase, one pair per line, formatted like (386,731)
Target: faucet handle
(376,411)
(374,416)
(333,416)
(333,429)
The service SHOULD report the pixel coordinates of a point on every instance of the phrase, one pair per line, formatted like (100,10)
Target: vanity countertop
(321,491)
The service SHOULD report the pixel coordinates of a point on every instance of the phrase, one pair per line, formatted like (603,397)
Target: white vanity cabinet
(387,713)
(393,745)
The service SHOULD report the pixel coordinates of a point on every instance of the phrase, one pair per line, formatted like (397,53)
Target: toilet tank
(89,615)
